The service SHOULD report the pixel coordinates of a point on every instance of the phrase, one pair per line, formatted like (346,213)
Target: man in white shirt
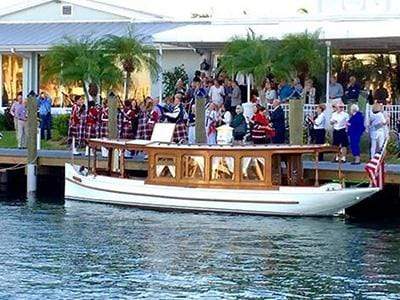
(339,121)
(217,93)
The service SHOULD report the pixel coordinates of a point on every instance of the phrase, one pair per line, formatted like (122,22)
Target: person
(339,121)
(297,89)
(352,91)
(270,92)
(211,123)
(277,119)
(180,87)
(128,117)
(261,132)
(309,91)
(143,117)
(44,107)
(91,120)
(335,89)
(104,120)
(225,116)
(13,111)
(381,94)
(377,131)
(355,130)
(74,134)
(239,124)
(192,125)
(228,88)
(319,131)
(217,93)
(285,91)
(236,98)
(16,103)
(179,117)
(21,114)
(153,117)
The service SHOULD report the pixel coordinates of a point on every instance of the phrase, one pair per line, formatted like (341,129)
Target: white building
(27,31)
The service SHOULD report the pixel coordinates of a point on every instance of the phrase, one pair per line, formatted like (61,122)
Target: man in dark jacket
(278,122)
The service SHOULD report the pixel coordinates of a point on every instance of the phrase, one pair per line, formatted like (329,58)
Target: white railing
(393,112)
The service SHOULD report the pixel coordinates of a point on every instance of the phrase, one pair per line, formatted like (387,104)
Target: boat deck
(58,158)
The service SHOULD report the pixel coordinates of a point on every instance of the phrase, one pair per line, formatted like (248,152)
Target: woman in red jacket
(261,132)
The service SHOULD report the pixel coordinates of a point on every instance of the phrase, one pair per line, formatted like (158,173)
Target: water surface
(79,250)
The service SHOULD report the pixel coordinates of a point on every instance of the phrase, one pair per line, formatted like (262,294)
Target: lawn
(9,140)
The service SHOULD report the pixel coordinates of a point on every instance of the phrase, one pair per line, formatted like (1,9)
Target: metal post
(328,68)
(296,107)
(32,126)
(160,75)
(200,120)
(112,116)
(248,87)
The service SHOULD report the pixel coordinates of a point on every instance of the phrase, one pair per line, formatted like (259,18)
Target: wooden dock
(57,158)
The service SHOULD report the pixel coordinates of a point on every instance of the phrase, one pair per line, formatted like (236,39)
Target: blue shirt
(285,92)
(44,105)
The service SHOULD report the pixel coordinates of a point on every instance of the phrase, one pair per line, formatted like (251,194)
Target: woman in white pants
(377,128)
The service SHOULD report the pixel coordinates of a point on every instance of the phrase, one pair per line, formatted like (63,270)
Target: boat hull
(326,200)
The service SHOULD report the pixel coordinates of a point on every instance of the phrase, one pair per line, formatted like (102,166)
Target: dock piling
(112,116)
(32,125)
(296,121)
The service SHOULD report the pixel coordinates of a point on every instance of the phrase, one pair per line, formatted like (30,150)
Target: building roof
(41,36)
(125,12)
(371,35)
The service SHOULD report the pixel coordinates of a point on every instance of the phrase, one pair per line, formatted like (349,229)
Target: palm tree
(251,56)
(301,54)
(132,55)
(82,62)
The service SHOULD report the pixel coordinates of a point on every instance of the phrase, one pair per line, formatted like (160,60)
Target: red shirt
(92,116)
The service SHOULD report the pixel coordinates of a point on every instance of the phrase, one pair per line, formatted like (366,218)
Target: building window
(66,10)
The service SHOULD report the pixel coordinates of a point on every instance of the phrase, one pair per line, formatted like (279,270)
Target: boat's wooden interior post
(90,149)
(316,183)
(94,168)
(109,162)
(340,173)
(268,169)
(122,163)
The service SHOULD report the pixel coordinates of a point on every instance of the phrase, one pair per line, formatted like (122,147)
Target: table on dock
(58,158)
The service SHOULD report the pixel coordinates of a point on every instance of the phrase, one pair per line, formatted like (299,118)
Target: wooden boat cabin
(217,166)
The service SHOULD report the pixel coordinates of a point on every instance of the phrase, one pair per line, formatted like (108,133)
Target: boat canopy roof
(146,144)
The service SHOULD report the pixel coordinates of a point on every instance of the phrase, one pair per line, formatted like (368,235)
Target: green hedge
(60,125)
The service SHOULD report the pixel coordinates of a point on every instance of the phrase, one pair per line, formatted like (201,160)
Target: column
(160,75)
(30,78)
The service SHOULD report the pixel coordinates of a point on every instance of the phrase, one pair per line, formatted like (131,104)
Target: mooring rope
(18,166)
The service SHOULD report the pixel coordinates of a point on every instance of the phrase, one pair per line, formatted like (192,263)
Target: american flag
(375,169)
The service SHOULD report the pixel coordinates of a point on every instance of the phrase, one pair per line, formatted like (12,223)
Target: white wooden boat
(265,180)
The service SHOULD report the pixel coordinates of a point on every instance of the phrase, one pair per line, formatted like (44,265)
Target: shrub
(60,125)
(171,77)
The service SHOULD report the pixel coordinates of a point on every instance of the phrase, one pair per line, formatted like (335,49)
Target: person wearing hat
(377,130)
(339,122)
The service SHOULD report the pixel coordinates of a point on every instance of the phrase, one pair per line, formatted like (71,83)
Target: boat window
(165,166)
(193,166)
(253,168)
(222,168)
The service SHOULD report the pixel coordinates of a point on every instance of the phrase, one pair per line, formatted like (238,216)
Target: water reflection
(82,250)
